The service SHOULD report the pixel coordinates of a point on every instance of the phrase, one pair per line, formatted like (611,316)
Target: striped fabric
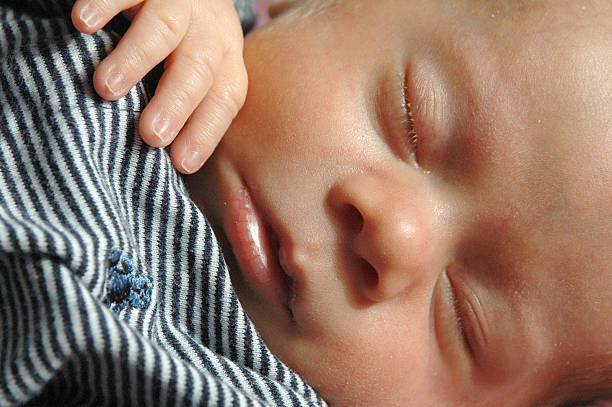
(113,290)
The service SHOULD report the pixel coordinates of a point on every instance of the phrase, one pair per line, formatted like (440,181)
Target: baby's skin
(422,216)
(204,81)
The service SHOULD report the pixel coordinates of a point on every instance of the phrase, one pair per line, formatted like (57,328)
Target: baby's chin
(342,379)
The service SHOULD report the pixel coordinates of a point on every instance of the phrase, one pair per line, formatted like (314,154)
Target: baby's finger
(88,16)
(207,125)
(181,89)
(155,32)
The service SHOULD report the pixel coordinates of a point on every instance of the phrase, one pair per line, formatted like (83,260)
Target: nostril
(352,218)
(370,282)
(369,276)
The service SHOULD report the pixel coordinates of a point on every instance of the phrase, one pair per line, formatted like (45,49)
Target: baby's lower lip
(255,249)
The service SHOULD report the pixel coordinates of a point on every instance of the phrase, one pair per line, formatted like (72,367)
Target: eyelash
(461,324)
(412,134)
(460,320)
(408,121)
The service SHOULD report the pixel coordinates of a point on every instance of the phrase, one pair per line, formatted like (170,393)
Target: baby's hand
(204,82)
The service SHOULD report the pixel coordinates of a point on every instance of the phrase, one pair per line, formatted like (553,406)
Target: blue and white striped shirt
(113,290)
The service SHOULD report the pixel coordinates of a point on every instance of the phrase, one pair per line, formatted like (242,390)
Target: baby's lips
(252,243)
(287,270)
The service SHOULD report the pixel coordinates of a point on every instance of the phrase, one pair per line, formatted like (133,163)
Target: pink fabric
(261,7)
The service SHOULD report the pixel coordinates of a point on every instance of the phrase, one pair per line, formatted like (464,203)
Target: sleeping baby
(417,196)
(414,200)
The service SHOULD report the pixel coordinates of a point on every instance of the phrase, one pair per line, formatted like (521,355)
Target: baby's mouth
(257,251)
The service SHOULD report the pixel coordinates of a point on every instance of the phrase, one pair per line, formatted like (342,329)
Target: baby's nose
(393,227)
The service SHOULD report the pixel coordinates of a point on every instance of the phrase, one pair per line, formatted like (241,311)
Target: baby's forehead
(524,7)
(534,15)
(552,37)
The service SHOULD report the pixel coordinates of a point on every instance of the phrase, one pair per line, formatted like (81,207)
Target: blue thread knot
(125,285)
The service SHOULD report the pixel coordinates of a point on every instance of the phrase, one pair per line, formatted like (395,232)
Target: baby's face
(469,265)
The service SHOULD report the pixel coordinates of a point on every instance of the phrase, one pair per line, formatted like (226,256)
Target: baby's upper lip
(282,256)
(284,253)
(260,251)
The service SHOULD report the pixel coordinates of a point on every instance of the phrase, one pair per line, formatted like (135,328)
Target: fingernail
(192,162)
(114,82)
(161,129)
(89,16)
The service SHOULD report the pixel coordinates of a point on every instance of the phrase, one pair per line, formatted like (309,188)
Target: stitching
(126,286)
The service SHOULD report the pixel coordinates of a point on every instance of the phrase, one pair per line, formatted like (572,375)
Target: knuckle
(236,92)
(169,25)
(181,100)
(200,134)
(233,45)
(201,65)
(206,137)
(228,101)
(238,98)
(242,85)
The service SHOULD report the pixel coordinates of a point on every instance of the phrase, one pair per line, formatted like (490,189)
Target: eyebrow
(582,386)
(510,6)
(314,7)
